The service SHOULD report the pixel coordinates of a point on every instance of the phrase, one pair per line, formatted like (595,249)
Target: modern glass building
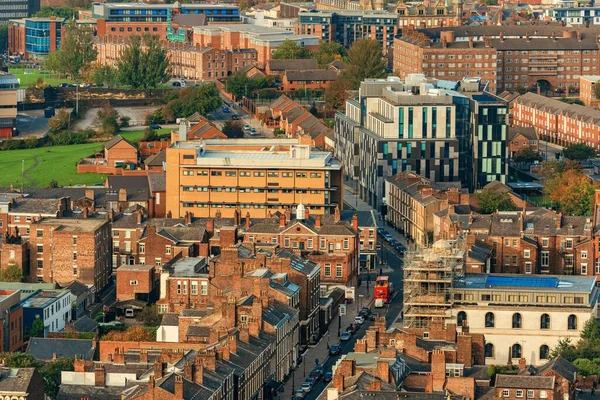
(142,12)
(42,36)
(10,9)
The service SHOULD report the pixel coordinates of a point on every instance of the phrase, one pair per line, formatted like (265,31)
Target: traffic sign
(342,310)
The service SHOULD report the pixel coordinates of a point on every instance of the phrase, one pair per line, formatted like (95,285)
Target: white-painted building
(52,306)
(523,315)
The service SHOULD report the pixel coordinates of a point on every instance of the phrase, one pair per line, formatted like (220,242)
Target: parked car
(299,394)
(364,311)
(311,381)
(84,85)
(155,126)
(345,336)
(359,319)
(247,127)
(307,387)
(226,110)
(235,117)
(328,376)
(252,131)
(335,349)
(176,84)
(66,85)
(373,315)
(49,112)
(316,373)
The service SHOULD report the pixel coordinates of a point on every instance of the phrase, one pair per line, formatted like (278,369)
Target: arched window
(544,352)
(489,350)
(516,351)
(461,318)
(572,322)
(489,320)
(545,321)
(516,320)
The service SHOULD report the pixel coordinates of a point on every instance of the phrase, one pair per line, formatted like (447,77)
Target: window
(489,350)
(526,253)
(168,249)
(545,259)
(204,288)
(74,269)
(40,248)
(40,263)
(516,351)
(544,242)
(286,242)
(545,321)
(516,320)
(543,394)
(338,270)
(584,255)
(309,243)
(346,244)
(328,270)
(572,322)
(544,352)
(158,261)
(461,318)
(569,243)
(505,393)
(142,248)
(74,256)
(133,282)
(40,233)
(519,393)
(583,269)
(489,320)
(163,308)
(74,240)
(528,267)
(530,394)
(194,288)
(323,243)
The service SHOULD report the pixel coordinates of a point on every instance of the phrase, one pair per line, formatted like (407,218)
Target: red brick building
(308,79)
(521,138)
(136,282)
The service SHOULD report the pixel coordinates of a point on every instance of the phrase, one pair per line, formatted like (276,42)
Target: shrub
(12,144)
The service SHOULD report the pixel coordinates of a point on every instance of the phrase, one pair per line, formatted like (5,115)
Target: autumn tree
(573,190)
(528,155)
(12,273)
(328,52)
(150,316)
(291,50)
(233,129)
(337,94)
(133,334)
(76,51)
(59,122)
(365,60)
(108,119)
(489,201)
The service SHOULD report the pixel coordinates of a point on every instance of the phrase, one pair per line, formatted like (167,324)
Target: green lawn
(54,162)
(32,75)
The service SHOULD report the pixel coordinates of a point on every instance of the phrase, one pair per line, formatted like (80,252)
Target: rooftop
(136,267)
(74,225)
(573,284)
(161,6)
(44,299)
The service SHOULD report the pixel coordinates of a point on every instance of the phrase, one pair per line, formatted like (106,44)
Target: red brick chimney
(143,355)
(99,376)
(522,364)
(383,371)
(282,221)
(188,218)
(438,370)
(89,193)
(79,364)
(119,356)
(336,214)
(247,220)
(338,382)
(360,346)
(158,369)
(178,387)
(355,222)
(306,213)
(138,217)
(244,334)
(318,221)
(236,217)
(151,385)
(375,386)
(232,345)
(122,195)
(210,226)
(197,373)
(85,213)
(187,370)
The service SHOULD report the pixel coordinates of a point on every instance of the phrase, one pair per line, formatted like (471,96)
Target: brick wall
(131,283)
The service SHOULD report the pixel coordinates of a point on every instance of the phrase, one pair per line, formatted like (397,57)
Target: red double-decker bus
(383,291)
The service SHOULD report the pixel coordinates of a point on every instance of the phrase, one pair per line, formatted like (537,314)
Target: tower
(458,12)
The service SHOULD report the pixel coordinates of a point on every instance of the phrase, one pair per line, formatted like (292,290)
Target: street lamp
(293,376)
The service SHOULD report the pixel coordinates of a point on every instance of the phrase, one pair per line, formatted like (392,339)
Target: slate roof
(117,139)
(527,131)
(557,107)
(35,206)
(524,382)
(560,366)
(191,390)
(102,196)
(70,392)
(170,319)
(15,379)
(128,182)
(298,263)
(44,348)
(77,288)
(311,75)
(85,324)
(302,64)
(156,160)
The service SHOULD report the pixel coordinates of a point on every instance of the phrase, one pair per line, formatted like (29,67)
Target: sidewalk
(320,350)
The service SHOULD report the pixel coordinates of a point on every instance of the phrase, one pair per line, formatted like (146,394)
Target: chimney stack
(282,221)
(317,221)
(355,222)
(248,220)
(122,195)
(178,387)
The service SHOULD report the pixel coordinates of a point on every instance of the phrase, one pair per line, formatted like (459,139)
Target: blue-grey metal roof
(575,284)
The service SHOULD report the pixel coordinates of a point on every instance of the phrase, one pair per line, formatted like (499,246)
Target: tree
(51,373)
(328,52)
(105,75)
(337,94)
(59,122)
(365,60)
(37,327)
(579,151)
(202,99)
(150,316)
(134,334)
(61,12)
(573,190)
(3,38)
(313,109)
(591,329)
(85,4)
(76,51)
(241,85)
(12,273)
(19,360)
(597,90)
(562,346)
(143,63)
(108,119)
(53,183)
(489,201)
(291,50)
(572,101)
(233,129)
(528,155)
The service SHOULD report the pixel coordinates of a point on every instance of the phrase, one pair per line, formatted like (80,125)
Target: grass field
(32,75)
(54,162)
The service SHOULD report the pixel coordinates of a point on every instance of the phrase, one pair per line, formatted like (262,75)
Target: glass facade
(38,35)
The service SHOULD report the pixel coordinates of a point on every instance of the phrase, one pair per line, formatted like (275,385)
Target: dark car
(328,376)
(176,84)
(316,373)
(235,117)
(65,85)
(155,126)
(49,112)
(373,315)
(335,349)
(364,311)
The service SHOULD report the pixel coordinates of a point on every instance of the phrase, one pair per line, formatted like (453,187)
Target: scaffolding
(429,273)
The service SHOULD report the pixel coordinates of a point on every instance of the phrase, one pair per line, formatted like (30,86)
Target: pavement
(219,118)
(549,150)
(32,123)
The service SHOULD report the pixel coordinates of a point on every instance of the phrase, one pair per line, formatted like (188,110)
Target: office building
(10,9)
(8,105)
(52,307)
(34,38)
(575,15)
(214,177)
(413,125)
(522,316)
(587,90)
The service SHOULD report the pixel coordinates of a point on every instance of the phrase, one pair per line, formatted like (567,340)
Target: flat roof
(136,267)
(161,6)
(571,284)
(591,78)
(525,185)
(187,266)
(44,299)
(73,224)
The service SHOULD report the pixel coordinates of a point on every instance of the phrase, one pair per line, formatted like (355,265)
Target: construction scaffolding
(429,273)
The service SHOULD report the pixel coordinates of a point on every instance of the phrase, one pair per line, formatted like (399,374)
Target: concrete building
(587,90)
(9,85)
(52,307)
(35,38)
(523,316)
(18,9)
(215,177)
(412,125)
(574,15)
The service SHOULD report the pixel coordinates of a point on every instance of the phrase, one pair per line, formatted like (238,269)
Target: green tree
(328,52)
(65,12)
(569,100)
(233,129)
(51,373)
(3,38)
(489,201)
(365,60)
(53,183)
(108,119)
(105,75)
(579,151)
(12,273)
(85,4)
(528,155)
(563,345)
(241,85)
(337,94)
(19,360)
(573,190)
(76,51)
(59,122)
(37,327)
(591,329)
(150,316)
(143,63)
(291,50)
(597,91)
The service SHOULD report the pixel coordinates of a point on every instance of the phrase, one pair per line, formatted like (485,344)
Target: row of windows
(247,190)
(517,320)
(516,351)
(257,174)
(530,393)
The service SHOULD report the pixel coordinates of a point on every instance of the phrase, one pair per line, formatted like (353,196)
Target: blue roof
(448,85)
(521,281)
